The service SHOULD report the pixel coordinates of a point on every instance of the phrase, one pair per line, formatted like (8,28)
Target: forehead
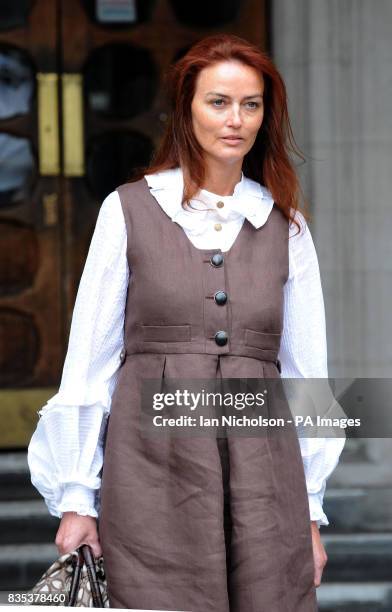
(230,75)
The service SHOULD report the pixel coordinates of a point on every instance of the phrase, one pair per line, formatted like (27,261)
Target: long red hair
(268,162)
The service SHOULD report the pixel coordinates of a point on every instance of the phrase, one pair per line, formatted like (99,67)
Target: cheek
(206,126)
(255,125)
(258,120)
(207,119)
(261,119)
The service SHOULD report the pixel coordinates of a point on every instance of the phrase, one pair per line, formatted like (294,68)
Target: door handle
(48,124)
(73,124)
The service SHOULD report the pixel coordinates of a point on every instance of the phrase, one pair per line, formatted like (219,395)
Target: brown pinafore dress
(202,524)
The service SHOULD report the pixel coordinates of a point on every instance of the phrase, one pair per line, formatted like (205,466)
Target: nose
(234,118)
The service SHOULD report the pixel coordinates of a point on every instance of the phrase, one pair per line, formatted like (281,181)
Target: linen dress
(202,524)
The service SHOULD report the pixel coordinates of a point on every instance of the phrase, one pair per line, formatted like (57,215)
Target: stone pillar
(336,59)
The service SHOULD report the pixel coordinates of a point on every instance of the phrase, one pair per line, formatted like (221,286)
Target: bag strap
(92,575)
(73,591)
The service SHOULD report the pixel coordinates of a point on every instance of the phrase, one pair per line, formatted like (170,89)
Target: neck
(222,178)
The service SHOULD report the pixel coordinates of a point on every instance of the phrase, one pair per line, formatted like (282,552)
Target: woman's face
(227,110)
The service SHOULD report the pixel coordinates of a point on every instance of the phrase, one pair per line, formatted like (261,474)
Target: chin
(232,159)
(230,156)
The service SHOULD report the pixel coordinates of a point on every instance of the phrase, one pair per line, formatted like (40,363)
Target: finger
(62,550)
(96,548)
(317,576)
(69,543)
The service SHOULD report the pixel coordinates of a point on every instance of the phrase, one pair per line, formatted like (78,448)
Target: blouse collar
(250,200)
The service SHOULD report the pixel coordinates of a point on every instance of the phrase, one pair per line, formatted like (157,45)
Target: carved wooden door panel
(32,331)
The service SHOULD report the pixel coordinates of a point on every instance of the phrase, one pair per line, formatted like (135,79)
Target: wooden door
(94,109)
(32,331)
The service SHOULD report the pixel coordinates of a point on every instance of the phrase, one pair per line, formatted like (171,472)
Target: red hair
(268,162)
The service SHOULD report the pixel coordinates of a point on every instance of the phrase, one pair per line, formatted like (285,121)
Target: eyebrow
(215,93)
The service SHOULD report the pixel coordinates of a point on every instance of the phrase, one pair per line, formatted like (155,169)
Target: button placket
(216,297)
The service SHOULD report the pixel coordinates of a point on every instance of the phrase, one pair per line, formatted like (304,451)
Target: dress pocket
(265,341)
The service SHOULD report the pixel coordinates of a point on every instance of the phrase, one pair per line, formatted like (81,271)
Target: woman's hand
(75,530)
(319,555)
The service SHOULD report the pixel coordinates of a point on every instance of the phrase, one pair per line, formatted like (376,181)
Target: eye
(218,102)
(253,105)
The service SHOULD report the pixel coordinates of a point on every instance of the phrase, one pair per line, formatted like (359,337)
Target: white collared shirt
(65,453)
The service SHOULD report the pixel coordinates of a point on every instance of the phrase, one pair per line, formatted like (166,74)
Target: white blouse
(65,453)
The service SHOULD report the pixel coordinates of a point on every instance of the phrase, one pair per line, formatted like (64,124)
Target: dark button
(221,338)
(220,298)
(216,260)
(123,355)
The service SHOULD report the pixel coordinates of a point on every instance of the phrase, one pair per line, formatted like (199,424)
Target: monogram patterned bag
(75,579)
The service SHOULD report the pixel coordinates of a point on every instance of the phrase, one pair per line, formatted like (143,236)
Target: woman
(202,268)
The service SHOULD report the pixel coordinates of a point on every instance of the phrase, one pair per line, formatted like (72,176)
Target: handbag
(74,579)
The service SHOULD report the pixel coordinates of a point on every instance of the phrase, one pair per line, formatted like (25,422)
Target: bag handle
(85,556)
(92,575)
(73,591)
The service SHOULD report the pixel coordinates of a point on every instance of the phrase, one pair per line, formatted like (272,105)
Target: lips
(232,140)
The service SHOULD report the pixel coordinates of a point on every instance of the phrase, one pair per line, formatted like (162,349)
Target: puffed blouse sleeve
(65,454)
(303,354)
